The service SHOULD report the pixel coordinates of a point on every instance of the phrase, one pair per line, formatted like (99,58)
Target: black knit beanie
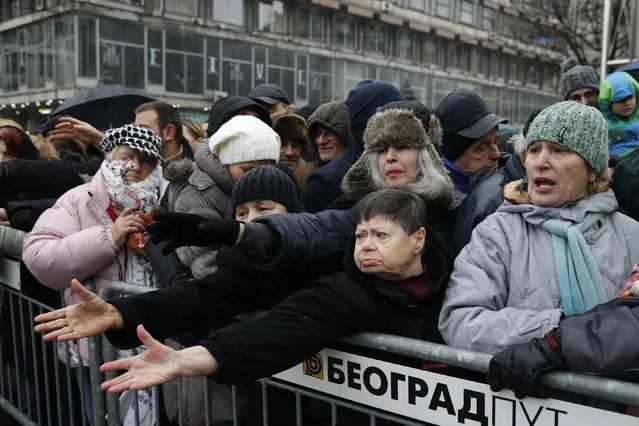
(454,145)
(266,183)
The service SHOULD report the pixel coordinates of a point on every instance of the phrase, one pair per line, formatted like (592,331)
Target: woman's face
(625,107)
(384,249)
(398,166)
(238,170)
(4,156)
(556,175)
(142,168)
(248,211)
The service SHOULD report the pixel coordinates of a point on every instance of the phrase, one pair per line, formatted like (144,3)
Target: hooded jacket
(201,187)
(484,200)
(504,288)
(323,185)
(226,108)
(623,132)
(332,116)
(298,326)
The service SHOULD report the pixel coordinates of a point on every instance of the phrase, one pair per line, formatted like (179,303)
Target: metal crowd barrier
(333,387)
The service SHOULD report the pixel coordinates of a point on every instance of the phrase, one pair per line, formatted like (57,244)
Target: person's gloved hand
(183,229)
(520,367)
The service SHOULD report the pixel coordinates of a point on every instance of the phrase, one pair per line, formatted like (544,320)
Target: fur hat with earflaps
(399,128)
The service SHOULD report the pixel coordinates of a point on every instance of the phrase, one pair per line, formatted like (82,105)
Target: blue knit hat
(578,127)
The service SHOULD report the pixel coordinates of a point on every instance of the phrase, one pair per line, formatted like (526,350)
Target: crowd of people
(368,214)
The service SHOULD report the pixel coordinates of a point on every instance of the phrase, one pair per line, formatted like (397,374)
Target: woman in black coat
(393,279)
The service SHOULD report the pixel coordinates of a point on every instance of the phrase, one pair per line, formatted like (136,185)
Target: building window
(443,8)
(489,19)
(39,4)
(313,25)
(155,61)
(184,63)
(467,12)
(121,53)
(377,39)
(16,8)
(349,32)
(183,7)
(406,42)
(464,58)
(87,46)
(415,4)
(271,17)
(508,25)
(229,11)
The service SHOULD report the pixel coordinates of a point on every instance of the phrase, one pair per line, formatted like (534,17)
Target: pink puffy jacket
(73,240)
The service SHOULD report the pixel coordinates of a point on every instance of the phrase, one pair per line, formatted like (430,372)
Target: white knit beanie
(245,138)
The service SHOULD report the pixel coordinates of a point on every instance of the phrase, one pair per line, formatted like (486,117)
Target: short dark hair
(167,114)
(405,208)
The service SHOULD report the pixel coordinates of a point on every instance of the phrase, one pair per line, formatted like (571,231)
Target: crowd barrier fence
(43,384)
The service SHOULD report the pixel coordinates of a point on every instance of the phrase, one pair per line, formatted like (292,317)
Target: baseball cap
(269,93)
(466,114)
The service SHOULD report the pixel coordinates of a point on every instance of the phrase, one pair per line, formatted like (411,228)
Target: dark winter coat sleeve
(483,201)
(48,179)
(316,240)
(24,214)
(603,341)
(301,325)
(190,305)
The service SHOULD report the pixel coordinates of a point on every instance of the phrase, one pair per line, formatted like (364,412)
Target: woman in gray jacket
(557,247)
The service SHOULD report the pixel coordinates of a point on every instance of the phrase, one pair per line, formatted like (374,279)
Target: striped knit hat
(578,127)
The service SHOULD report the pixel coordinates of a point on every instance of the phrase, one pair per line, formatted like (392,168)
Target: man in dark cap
(272,98)
(469,137)
(579,83)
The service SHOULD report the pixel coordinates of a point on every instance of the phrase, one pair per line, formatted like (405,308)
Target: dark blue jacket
(323,185)
(484,199)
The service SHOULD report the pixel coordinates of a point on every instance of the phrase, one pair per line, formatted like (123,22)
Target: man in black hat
(469,137)
(272,98)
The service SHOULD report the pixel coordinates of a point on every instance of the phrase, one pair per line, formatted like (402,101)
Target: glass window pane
(488,19)
(271,17)
(312,24)
(184,7)
(87,45)
(405,44)
(236,78)
(184,42)
(302,77)
(347,32)
(127,32)
(443,8)
(195,74)
(134,67)
(237,50)
(284,58)
(377,36)
(467,12)
(229,11)
(175,77)
(110,63)
(155,66)
(212,64)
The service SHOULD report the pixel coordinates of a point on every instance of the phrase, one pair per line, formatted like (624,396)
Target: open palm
(90,317)
(156,365)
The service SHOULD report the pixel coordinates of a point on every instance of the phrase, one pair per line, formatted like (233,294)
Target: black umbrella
(632,69)
(105,106)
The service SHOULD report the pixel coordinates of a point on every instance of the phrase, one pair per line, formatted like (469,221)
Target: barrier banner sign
(436,398)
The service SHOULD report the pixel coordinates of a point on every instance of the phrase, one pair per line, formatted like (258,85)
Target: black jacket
(35,179)
(602,341)
(483,200)
(625,184)
(301,324)
(24,214)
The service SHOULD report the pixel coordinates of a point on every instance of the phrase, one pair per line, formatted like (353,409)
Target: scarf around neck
(580,282)
(144,195)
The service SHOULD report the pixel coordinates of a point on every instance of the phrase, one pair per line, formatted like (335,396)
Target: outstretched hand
(183,229)
(72,128)
(90,317)
(156,365)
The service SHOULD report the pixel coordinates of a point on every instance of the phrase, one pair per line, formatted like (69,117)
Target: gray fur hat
(400,128)
(575,76)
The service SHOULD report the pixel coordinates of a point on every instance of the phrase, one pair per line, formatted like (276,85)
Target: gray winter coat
(504,288)
(202,187)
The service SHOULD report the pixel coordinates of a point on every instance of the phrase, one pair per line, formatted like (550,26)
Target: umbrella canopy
(105,106)
(632,69)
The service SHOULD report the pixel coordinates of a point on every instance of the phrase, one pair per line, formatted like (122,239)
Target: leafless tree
(579,24)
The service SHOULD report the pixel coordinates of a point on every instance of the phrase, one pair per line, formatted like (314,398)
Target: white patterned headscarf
(137,138)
